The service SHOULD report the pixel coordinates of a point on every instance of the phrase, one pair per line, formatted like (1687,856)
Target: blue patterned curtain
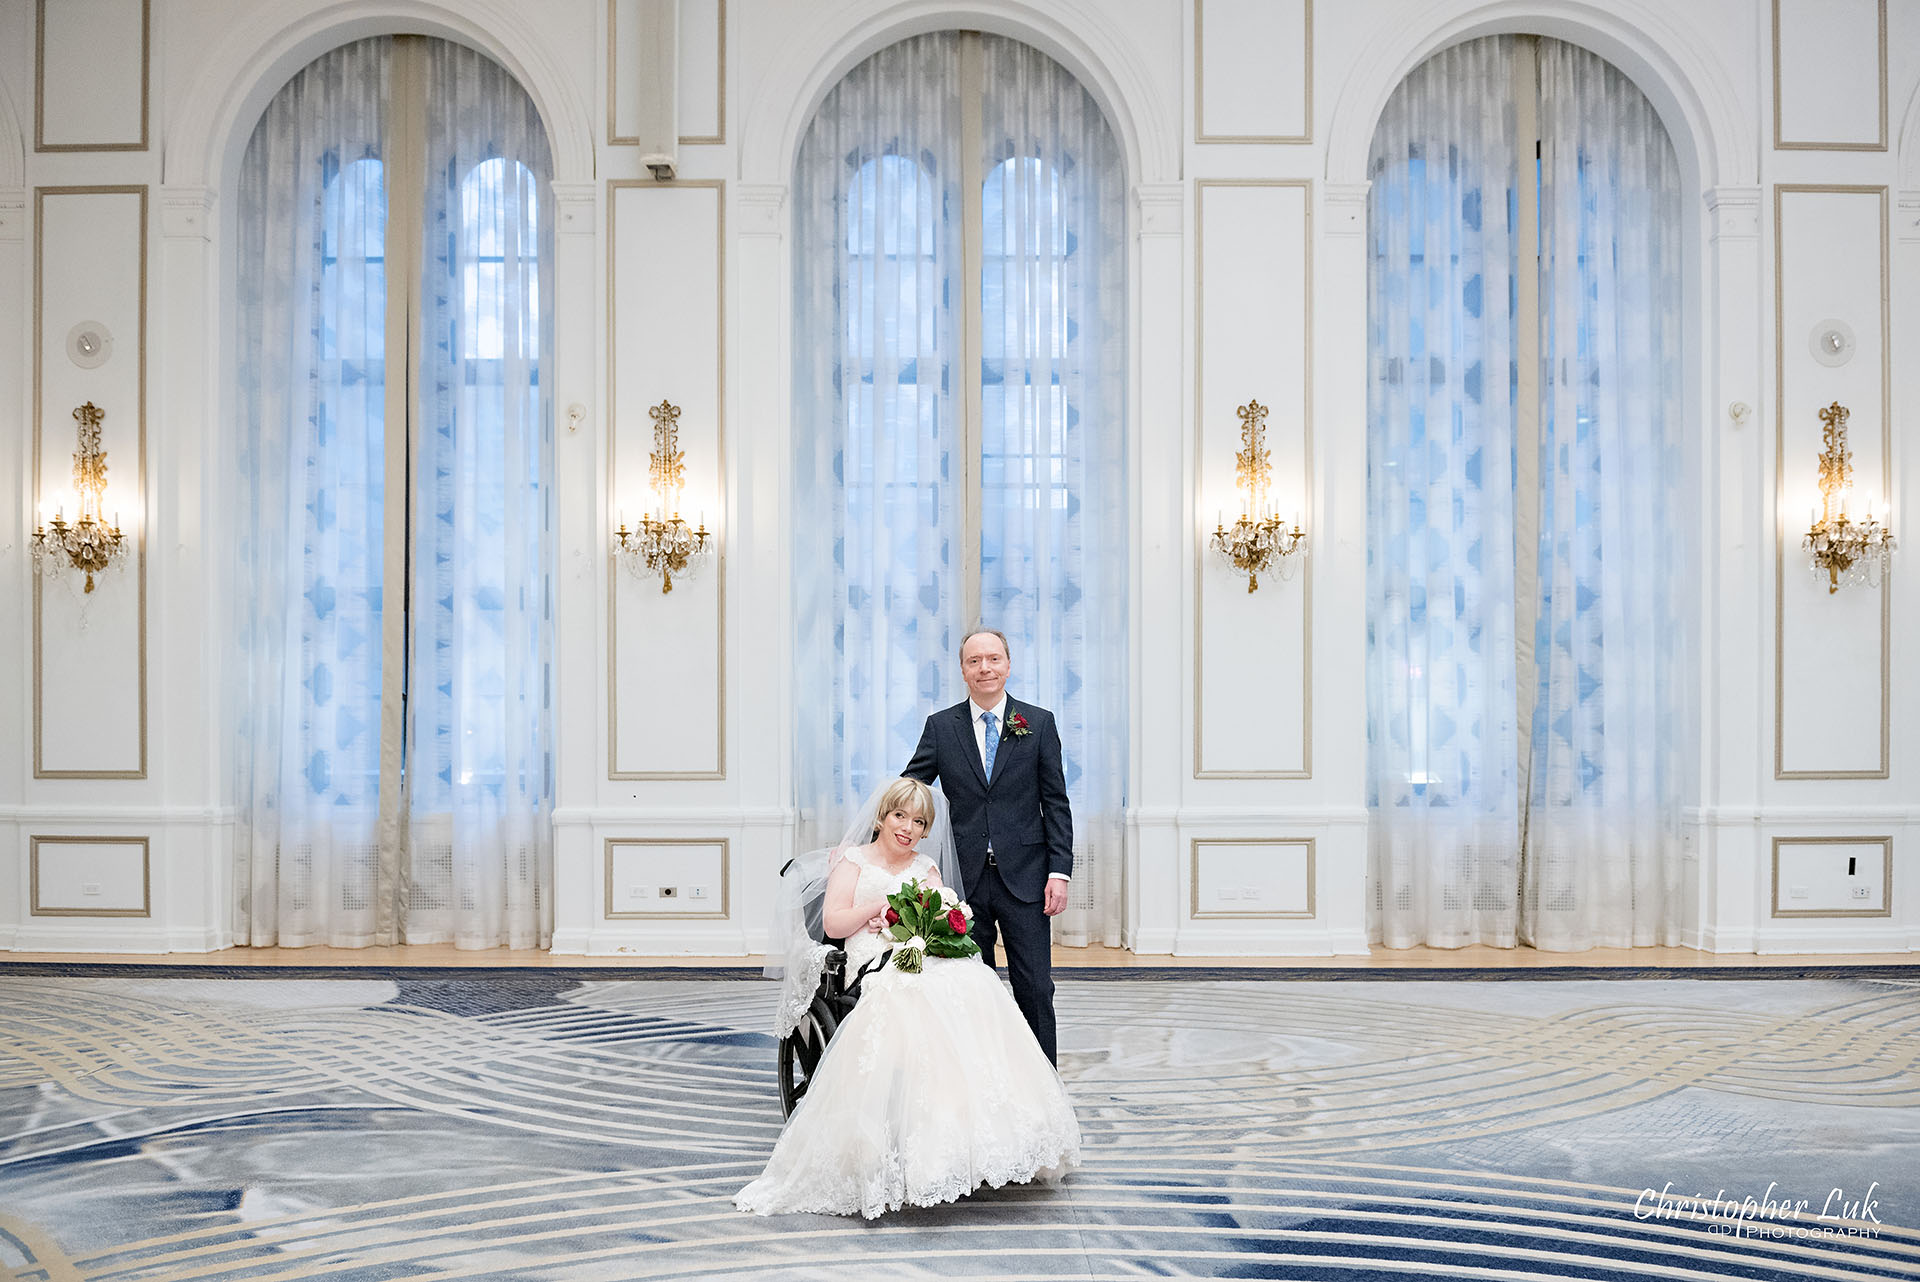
(877,603)
(1612,729)
(1606,737)
(1053,500)
(319,509)
(1442,735)
(879,588)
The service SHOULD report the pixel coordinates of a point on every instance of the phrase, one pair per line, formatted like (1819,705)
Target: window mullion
(972,182)
(1527,338)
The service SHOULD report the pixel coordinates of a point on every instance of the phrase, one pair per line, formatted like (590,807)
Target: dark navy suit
(1022,817)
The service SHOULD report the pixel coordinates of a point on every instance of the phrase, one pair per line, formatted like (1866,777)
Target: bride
(934,1085)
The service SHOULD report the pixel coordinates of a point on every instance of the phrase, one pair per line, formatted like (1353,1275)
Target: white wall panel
(1832,661)
(1252,667)
(703,71)
(90,877)
(90,647)
(666,877)
(1832,876)
(1830,75)
(666,701)
(1265,877)
(1253,70)
(91,87)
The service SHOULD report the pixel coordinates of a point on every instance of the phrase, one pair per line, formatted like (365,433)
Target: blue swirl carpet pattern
(535,1126)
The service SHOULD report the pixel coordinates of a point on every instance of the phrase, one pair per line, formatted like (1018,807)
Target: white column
(16,453)
(1162,586)
(189,475)
(1729,874)
(1905,287)
(1339,561)
(761,426)
(580,562)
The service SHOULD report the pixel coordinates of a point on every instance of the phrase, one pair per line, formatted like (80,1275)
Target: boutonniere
(1017,726)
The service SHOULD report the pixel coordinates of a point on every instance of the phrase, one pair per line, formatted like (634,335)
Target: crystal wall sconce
(664,543)
(87,545)
(1840,547)
(1258,541)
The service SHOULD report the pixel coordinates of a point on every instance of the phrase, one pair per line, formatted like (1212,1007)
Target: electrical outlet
(636,892)
(669,892)
(1863,892)
(1798,892)
(1249,892)
(89,887)
(697,892)
(1227,892)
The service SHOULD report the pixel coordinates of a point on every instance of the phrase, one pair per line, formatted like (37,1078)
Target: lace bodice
(875,883)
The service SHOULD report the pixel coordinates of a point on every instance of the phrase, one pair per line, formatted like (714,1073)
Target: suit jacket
(1022,813)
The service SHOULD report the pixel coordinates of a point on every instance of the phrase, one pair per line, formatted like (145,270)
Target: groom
(998,761)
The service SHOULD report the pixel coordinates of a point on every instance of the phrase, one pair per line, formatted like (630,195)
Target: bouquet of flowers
(925,920)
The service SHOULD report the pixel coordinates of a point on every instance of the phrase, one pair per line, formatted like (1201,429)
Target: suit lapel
(963,721)
(1006,742)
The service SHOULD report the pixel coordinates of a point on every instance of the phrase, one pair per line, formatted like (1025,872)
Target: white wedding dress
(932,1087)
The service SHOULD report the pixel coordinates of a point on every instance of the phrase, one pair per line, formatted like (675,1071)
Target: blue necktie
(993,741)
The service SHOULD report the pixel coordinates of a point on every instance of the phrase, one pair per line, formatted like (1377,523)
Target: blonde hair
(909,796)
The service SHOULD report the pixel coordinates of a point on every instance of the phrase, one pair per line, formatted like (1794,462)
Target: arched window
(1527,713)
(959,412)
(391,574)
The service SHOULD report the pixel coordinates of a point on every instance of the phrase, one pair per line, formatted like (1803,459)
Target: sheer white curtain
(479,753)
(312,500)
(1612,728)
(1053,501)
(876,596)
(1606,722)
(1442,735)
(321,509)
(889,471)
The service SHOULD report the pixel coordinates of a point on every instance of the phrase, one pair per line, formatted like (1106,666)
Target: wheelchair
(833,1000)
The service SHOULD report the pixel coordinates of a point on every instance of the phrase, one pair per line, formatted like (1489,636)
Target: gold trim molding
(40,79)
(1200,134)
(617,139)
(1786,540)
(719,770)
(1193,878)
(35,908)
(725,845)
(1308,518)
(1780,144)
(40,195)
(1886,878)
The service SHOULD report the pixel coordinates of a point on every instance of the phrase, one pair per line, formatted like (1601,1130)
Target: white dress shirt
(999,711)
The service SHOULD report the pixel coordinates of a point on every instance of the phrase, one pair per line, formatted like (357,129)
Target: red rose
(957,920)
(893,918)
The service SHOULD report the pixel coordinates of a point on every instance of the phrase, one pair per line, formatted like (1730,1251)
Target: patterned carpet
(540,1126)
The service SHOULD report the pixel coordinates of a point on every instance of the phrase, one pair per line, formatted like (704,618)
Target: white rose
(947,898)
(966,910)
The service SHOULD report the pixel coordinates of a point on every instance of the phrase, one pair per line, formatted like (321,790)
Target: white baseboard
(1834,937)
(73,935)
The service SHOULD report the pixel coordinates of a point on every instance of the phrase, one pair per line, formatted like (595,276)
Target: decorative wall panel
(1251,878)
(1830,75)
(1831,675)
(1832,877)
(1253,652)
(91,73)
(666,274)
(90,877)
(90,652)
(702,75)
(1253,70)
(667,877)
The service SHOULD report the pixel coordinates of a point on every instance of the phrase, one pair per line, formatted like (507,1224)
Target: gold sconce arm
(663,543)
(1843,549)
(89,544)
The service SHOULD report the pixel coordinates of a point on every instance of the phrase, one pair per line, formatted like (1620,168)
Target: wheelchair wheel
(800,1053)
